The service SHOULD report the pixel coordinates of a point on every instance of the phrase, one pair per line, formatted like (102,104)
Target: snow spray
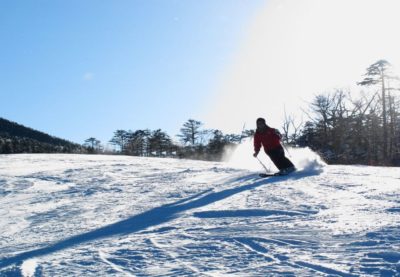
(241,156)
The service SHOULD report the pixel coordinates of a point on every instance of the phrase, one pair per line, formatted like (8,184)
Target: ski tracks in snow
(188,218)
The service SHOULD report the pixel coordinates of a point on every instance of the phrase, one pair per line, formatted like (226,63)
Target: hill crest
(17,138)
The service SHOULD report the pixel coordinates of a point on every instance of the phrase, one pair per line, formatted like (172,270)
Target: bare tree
(291,129)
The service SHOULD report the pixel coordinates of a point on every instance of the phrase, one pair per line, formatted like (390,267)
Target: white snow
(28,268)
(91,215)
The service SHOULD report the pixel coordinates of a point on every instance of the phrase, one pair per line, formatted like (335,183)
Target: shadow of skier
(150,218)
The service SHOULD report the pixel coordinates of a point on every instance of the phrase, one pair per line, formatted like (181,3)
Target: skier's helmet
(260,120)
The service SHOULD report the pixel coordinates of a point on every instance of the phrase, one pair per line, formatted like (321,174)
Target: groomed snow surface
(82,215)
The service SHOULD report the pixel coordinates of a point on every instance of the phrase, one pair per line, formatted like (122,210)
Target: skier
(270,139)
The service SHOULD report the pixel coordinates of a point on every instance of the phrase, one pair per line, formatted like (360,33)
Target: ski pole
(262,164)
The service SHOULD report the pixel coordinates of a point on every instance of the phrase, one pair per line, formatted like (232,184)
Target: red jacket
(269,139)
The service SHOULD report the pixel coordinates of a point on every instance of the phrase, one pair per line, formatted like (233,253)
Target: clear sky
(296,49)
(77,69)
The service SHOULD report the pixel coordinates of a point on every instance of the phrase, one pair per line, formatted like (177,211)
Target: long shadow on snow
(151,218)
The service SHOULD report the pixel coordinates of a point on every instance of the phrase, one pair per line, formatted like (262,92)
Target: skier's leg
(278,158)
(287,163)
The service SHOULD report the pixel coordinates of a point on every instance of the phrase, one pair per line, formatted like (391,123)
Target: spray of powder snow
(241,156)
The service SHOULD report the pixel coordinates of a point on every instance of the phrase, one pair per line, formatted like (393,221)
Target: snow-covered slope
(76,215)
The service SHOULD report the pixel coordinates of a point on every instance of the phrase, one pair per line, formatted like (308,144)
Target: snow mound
(241,156)
(28,268)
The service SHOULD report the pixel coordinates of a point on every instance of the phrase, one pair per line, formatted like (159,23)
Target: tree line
(194,142)
(365,129)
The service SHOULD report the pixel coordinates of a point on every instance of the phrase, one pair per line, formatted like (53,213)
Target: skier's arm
(257,145)
(277,134)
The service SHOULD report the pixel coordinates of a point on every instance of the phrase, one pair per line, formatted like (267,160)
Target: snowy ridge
(76,215)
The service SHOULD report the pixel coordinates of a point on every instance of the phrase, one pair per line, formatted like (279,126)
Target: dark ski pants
(277,156)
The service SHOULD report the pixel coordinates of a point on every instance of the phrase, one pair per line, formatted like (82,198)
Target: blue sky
(77,69)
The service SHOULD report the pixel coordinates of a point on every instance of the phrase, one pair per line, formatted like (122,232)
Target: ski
(265,175)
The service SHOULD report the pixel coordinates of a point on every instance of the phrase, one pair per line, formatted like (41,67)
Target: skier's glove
(255,154)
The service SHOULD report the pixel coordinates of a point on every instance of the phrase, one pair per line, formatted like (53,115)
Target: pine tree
(120,139)
(138,142)
(379,74)
(190,132)
(160,143)
(93,145)
(216,145)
